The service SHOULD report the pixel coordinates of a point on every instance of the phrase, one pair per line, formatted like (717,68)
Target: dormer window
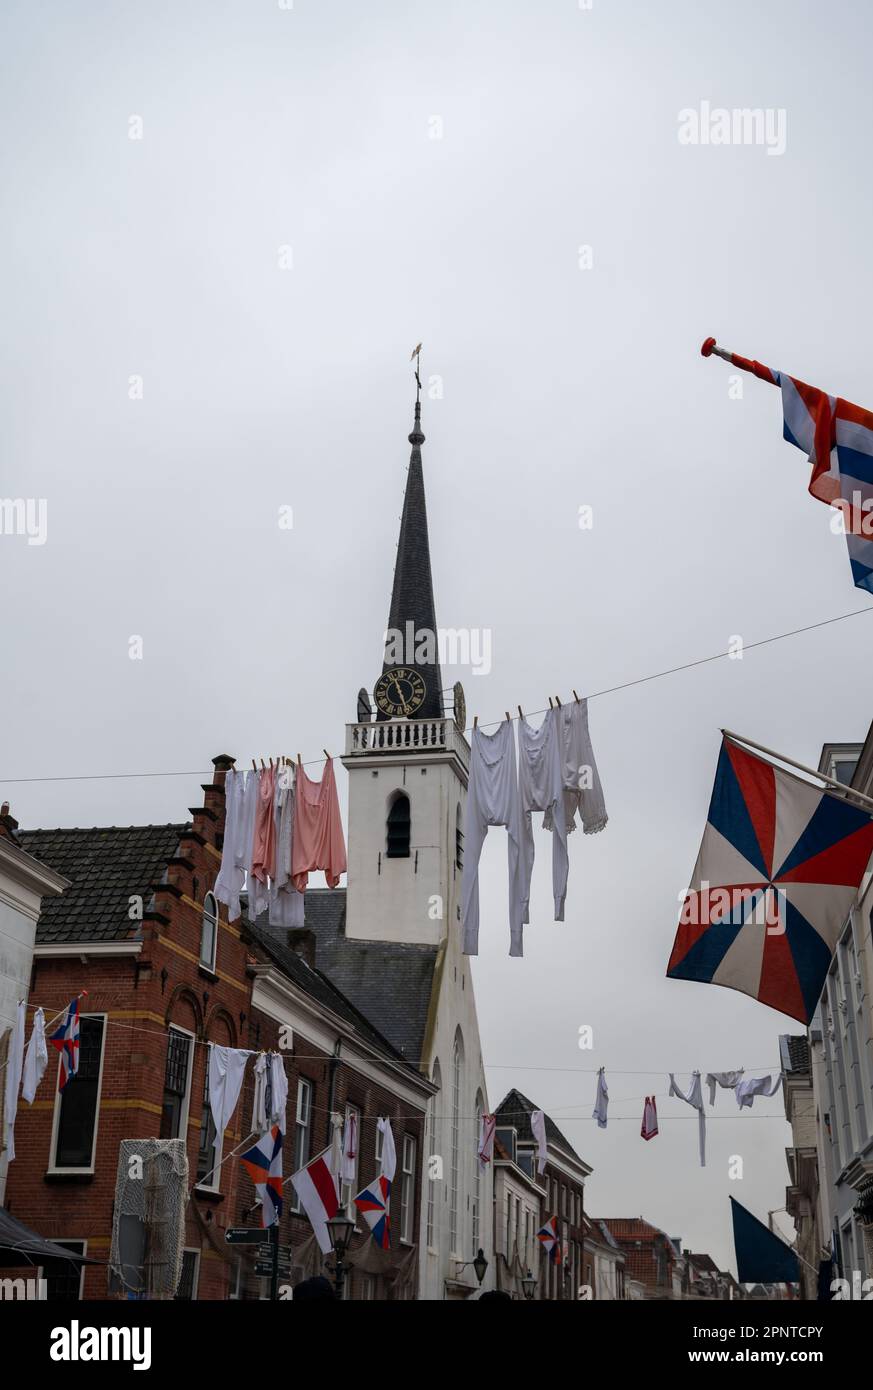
(209,932)
(398,827)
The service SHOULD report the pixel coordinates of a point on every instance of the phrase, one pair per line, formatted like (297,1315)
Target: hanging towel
(349,1167)
(259,1100)
(649,1126)
(727,1079)
(279,1090)
(231,875)
(602,1100)
(694,1097)
(286,904)
(318,829)
(14,1064)
(582,789)
(388,1166)
(485,1151)
(538,1126)
(756,1086)
(541,788)
(264,848)
(36,1058)
(492,799)
(256,891)
(226,1068)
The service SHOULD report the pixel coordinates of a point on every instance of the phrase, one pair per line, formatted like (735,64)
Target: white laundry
(538,1126)
(36,1058)
(388,1166)
(349,1168)
(582,789)
(229,883)
(226,1068)
(487,1131)
(756,1086)
(260,1124)
(601,1102)
(727,1079)
(649,1127)
(255,889)
(694,1097)
(286,903)
(14,1064)
(540,784)
(279,1096)
(492,799)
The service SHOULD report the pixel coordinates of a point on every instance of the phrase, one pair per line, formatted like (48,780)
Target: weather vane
(416,357)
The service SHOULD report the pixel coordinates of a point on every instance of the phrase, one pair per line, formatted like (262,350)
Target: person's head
(319,1287)
(494,1293)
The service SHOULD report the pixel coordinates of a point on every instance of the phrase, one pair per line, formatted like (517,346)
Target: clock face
(400,691)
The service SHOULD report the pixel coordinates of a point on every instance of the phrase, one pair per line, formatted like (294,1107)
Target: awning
(21,1246)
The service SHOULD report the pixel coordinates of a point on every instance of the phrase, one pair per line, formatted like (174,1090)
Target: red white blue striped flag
(66,1040)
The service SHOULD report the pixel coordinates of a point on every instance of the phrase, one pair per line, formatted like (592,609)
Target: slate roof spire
(413,613)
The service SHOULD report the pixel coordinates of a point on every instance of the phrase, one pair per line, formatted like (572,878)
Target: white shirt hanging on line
(279,1080)
(492,799)
(582,789)
(538,1126)
(349,1169)
(694,1097)
(756,1086)
(231,875)
(388,1165)
(35,1059)
(226,1068)
(541,788)
(727,1079)
(601,1102)
(14,1064)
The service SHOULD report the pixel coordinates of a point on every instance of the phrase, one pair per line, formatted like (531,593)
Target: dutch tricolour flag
(263,1163)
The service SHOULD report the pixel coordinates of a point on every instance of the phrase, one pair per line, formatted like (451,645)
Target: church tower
(408,769)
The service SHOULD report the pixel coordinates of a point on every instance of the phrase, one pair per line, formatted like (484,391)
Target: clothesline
(609,690)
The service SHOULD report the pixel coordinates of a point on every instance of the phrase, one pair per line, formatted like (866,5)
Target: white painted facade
(417,900)
(24,881)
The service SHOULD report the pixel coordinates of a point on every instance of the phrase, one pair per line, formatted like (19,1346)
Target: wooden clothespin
(520,712)
(263,769)
(508,720)
(299,760)
(326,754)
(475,721)
(271,764)
(551,706)
(575,697)
(254,766)
(558,698)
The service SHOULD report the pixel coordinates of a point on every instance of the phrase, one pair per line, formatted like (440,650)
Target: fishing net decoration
(148,1223)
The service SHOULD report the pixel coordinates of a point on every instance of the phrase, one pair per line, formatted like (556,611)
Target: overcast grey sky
(312,128)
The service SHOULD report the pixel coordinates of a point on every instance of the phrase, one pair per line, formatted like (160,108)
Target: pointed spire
(412,616)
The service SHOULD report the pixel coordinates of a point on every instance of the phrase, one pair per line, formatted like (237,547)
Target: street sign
(266,1270)
(243,1235)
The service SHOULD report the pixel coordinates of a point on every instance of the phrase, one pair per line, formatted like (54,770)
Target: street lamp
(529,1286)
(340,1229)
(480,1264)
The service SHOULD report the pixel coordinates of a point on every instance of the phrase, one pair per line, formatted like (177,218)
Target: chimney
(8,824)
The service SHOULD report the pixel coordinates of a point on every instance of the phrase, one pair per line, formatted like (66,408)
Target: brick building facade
(165,974)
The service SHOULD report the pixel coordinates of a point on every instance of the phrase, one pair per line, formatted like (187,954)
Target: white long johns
(541,787)
(727,1079)
(229,883)
(756,1086)
(35,1058)
(582,789)
(694,1097)
(492,799)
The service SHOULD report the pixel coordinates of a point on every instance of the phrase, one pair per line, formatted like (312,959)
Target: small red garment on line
(650,1119)
(318,830)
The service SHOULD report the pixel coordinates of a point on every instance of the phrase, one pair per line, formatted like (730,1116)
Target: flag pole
(801,767)
(747,364)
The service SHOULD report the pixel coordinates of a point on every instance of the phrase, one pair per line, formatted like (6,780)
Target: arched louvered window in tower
(398,827)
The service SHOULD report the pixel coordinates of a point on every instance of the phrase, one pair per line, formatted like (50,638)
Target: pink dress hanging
(318,830)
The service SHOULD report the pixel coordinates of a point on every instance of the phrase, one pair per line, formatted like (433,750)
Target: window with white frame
(208,1154)
(187,1286)
(209,932)
(302,1132)
(407,1190)
(74,1138)
(177,1083)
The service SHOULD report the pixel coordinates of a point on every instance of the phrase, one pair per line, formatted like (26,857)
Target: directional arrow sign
(243,1235)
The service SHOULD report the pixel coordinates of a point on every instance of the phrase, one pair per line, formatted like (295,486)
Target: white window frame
(56,1114)
(186,1103)
(304,1088)
(407,1190)
(209,965)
